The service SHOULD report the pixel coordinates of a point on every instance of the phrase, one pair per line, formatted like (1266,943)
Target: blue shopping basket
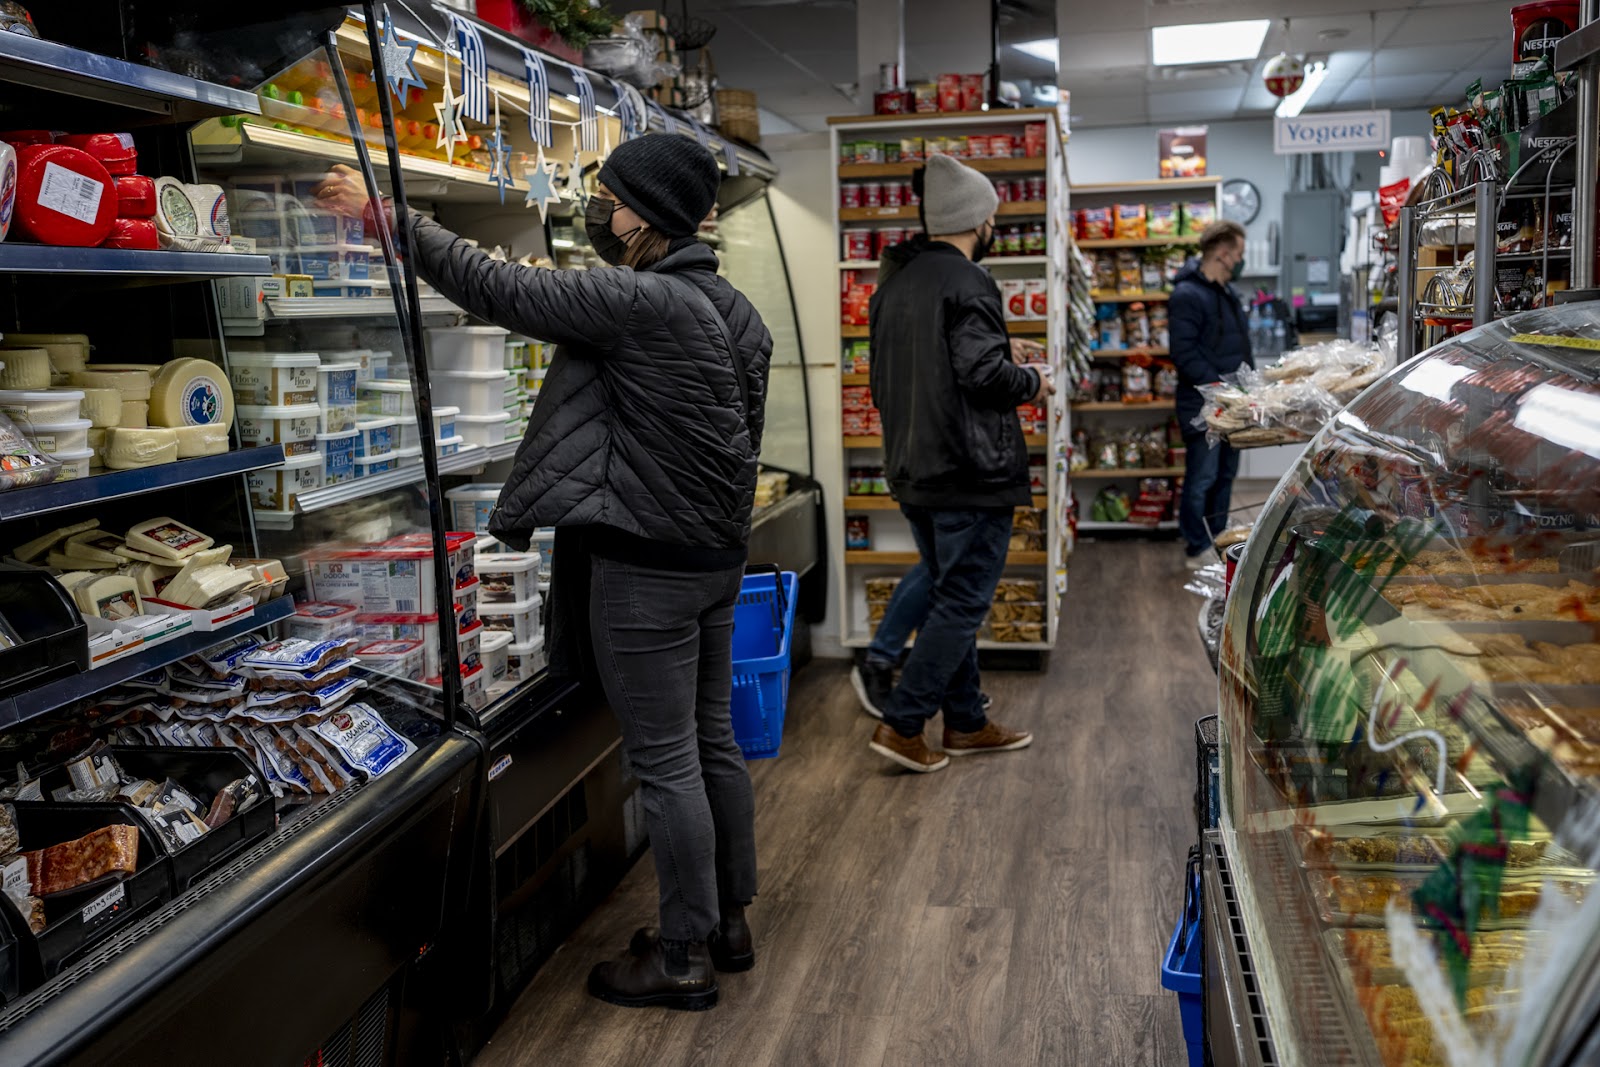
(763,628)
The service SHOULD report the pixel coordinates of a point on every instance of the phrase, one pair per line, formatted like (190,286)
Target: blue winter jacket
(1209,338)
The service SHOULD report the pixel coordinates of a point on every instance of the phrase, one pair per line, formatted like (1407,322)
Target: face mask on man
(611,247)
(984,246)
(1238,268)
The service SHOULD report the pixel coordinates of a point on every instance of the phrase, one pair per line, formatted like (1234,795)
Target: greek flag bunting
(474,70)
(588,118)
(539,127)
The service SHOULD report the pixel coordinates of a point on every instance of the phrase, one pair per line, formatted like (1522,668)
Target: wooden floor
(1011,909)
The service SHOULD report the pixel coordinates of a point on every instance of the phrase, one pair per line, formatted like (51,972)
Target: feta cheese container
(295,428)
(273,379)
(279,488)
(337,395)
(375,437)
(338,455)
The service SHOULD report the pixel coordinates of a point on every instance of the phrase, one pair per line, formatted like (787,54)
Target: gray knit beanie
(955,197)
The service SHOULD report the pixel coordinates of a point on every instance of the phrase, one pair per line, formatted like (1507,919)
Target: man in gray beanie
(945,384)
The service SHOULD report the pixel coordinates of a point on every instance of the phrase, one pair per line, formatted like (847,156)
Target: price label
(106,901)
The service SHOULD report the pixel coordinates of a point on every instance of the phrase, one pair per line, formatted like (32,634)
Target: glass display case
(1410,699)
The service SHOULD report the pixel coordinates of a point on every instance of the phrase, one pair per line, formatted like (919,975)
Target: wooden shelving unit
(1132,472)
(1124,353)
(891,536)
(1092,244)
(1157,405)
(1118,296)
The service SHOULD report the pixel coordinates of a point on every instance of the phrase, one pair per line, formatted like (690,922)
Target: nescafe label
(1539,38)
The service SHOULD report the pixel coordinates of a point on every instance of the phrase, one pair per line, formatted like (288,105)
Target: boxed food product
(294,427)
(520,619)
(1033,139)
(911,149)
(972,96)
(279,488)
(1038,298)
(950,92)
(925,97)
(274,379)
(858,244)
(1014,298)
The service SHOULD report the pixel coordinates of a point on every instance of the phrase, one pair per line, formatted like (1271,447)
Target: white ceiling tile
(1093,51)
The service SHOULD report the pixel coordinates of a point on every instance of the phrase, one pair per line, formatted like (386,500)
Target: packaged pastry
(1019,589)
(1131,222)
(1135,326)
(1135,387)
(21,462)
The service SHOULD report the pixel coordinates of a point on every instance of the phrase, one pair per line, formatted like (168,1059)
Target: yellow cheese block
(102,407)
(131,448)
(25,368)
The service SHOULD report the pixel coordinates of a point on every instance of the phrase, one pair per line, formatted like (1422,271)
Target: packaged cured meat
(295,658)
(64,196)
(364,740)
(110,852)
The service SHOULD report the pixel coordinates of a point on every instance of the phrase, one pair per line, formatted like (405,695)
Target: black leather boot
(652,978)
(732,945)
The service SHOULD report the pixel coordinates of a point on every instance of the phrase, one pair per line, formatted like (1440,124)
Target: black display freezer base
(311,939)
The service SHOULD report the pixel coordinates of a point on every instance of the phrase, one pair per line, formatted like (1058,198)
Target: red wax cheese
(133,233)
(114,150)
(64,196)
(18,138)
(136,197)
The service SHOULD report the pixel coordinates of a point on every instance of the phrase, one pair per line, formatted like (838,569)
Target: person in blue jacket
(1209,338)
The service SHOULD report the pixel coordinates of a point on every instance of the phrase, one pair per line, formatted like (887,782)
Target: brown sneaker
(912,753)
(992,738)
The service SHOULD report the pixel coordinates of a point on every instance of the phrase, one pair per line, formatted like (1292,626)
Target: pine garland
(576,22)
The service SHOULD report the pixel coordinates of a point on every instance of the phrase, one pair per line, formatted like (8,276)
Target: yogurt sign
(1331,131)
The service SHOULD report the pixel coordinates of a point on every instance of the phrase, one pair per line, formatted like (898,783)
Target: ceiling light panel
(1207,42)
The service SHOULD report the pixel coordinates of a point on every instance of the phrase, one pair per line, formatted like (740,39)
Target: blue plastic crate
(763,629)
(1181,968)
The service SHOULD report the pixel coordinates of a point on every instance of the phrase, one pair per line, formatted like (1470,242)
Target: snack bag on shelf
(1135,384)
(1159,335)
(1151,275)
(1105,270)
(1163,220)
(1197,215)
(1135,325)
(1129,276)
(1131,222)
(1097,224)
(1166,381)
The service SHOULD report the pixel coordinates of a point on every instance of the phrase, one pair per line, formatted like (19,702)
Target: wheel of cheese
(102,407)
(134,414)
(191,392)
(8,187)
(115,151)
(68,351)
(133,233)
(25,368)
(203,440)
(130,449)
(136,197)
(64,196)
(132,384)
(18,138)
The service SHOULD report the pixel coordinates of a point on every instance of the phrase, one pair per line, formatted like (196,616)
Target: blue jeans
(964,553)
(907,611)
(1208,477)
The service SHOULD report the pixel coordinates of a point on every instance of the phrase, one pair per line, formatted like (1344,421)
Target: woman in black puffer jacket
(642,453)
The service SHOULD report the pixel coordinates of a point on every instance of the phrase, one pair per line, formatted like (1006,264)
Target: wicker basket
(737,116)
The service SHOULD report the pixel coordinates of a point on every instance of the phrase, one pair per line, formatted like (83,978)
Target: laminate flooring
(1011,909)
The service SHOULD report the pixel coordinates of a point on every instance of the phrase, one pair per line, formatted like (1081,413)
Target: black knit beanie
(671,181)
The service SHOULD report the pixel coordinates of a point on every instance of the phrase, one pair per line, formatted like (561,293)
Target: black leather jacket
(943,380)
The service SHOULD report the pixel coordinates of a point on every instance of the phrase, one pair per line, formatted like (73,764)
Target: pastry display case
(1410,700)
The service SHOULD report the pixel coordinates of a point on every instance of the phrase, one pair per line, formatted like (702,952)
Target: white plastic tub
(336,262)
(389,397)
(450,446)
(444,428)
(323,622)
(508,578)
(29,407)
(338,455)
(492,651)
(74,464)
(520,619)
(408,456)
(376,437)
(466,606)
(484,430)
(57,437)
(295,428)
(273,379)
(361,357)
(366,465)
(320,229)
(523,662)
(467,348)
(337,395)
(470,505)
(379,364)
(278,488)
(399,659)
(474,392)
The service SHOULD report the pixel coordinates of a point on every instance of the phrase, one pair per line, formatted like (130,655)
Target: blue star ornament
(541,184)
(500,163)
(397,59)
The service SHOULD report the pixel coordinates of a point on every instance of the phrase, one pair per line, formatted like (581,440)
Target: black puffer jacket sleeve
(586,309)
(982,364)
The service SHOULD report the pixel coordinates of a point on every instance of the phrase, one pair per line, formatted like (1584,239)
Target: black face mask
(984,246)
(611,247)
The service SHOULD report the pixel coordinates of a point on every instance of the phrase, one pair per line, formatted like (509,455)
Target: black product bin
(203,771)
(11,976)
(79,920)
(55,639)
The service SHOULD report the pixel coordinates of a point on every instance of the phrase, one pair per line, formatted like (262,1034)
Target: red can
(872,194)
(950,92)
(908,194)
(849,196)
(893,102)
(972,92)
(1002,145)
(858,244)
(978,146)
(887,239)
(1232,557)
(1019,189)
(1002,189)
(1036,188)
(1033,139)
(893,194)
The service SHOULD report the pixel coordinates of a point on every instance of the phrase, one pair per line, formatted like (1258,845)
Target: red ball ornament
(1284,74)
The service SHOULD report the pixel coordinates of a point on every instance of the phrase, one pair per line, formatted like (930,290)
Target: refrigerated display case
(1410,699)
(347,781)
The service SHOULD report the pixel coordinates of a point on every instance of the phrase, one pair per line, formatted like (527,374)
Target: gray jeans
(663,642)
